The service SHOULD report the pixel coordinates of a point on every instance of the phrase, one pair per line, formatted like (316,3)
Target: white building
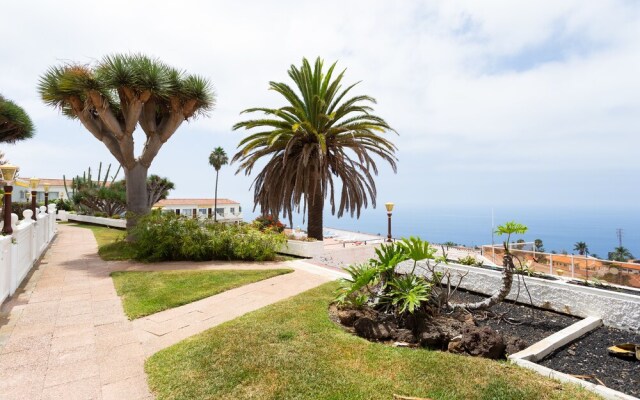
(55,186)
(228,210)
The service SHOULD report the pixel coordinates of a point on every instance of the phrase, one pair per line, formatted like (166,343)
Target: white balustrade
(20,251)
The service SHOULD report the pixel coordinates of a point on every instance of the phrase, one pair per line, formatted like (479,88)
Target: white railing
(20,251)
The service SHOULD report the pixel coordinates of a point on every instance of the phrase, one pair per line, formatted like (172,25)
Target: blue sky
(496,103)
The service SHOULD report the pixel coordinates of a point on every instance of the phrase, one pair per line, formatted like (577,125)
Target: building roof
(188,202)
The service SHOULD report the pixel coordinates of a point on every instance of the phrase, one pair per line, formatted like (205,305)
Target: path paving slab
(64,335)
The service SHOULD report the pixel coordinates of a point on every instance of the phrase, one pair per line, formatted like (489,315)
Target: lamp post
(33,182)
(389,207)
(8,175)
(46,196)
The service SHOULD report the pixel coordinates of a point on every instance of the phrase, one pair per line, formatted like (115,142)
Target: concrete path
(66,335)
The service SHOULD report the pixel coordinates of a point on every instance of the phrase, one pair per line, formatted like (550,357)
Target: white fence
(20,251)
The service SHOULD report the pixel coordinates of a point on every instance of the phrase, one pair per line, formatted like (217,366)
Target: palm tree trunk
(314,213)
(137,199)
(215,200)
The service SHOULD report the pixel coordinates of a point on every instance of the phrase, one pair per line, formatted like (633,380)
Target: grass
(144,293)
(291,350)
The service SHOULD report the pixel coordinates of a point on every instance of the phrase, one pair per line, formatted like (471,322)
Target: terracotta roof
(52,182)
(184,202)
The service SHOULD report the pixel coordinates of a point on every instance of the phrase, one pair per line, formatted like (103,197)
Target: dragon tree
(15,124)
(114,96)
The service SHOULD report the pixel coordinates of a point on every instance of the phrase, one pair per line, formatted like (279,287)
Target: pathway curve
(66,335)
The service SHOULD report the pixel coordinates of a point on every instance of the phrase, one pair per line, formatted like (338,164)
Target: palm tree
(217,159)
(620,253)
(581,248)
(158,189)
(119,93)
(319,134)
(15,124)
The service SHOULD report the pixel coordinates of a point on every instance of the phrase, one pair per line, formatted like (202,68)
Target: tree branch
(88,120)
(104,111)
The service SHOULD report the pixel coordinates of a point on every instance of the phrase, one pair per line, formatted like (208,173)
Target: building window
(232,210)
(220,211)
(202,211)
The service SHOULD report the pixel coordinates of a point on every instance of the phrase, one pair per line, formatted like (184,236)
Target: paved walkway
(66,335)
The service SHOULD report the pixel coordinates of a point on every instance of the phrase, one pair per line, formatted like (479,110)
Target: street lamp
(389,207)
(33,183)
(8,172)
(46,196)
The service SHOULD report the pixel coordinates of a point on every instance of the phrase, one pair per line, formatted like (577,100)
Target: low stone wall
(114,223)
(302,248)
(619,310)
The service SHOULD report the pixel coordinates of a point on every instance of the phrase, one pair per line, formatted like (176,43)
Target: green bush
(170,237)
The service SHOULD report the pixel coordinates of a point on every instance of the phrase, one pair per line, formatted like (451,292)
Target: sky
(496,103)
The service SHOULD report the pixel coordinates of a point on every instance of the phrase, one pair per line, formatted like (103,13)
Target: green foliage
(321,133)
(15,124)
(218,158)
(62,204)
(352,290)
(470,260)
(408,292)
(620,253)
(377,282)
(60,86)
(510,228)
(268,222)
(167,237)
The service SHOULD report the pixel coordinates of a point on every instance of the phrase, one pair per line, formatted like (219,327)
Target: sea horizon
(559,227)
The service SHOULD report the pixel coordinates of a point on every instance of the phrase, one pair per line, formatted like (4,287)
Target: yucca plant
(120,92)
(320,133)
(15,124)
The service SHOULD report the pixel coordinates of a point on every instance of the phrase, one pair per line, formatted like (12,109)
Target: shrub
(378,283)
(166,237)
(62,204)
(269,222)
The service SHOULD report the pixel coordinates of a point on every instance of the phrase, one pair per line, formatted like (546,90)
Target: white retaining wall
(20,251)
(616,309)
(114,223)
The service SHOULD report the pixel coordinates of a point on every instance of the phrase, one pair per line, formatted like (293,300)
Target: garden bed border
(618,310)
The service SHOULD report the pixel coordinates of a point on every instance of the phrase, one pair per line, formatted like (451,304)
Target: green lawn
(291,350)
(111,244)
(144,293)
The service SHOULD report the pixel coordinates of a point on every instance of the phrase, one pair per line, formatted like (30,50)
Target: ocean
(558,228)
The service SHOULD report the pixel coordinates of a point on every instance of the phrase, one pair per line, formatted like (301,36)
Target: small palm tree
(581,248)
(620,253)
(15,124)
(217,159)
(318,135)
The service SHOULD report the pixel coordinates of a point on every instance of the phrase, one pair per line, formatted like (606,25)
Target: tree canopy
(15,124)
(320,133)
(112,97)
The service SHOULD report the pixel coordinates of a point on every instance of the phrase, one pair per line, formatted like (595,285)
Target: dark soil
(588,356)
(529,324)
(605,287)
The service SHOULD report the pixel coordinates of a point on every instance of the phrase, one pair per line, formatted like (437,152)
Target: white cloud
(487,90)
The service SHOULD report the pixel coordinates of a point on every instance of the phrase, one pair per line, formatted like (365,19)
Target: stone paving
(65,336)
